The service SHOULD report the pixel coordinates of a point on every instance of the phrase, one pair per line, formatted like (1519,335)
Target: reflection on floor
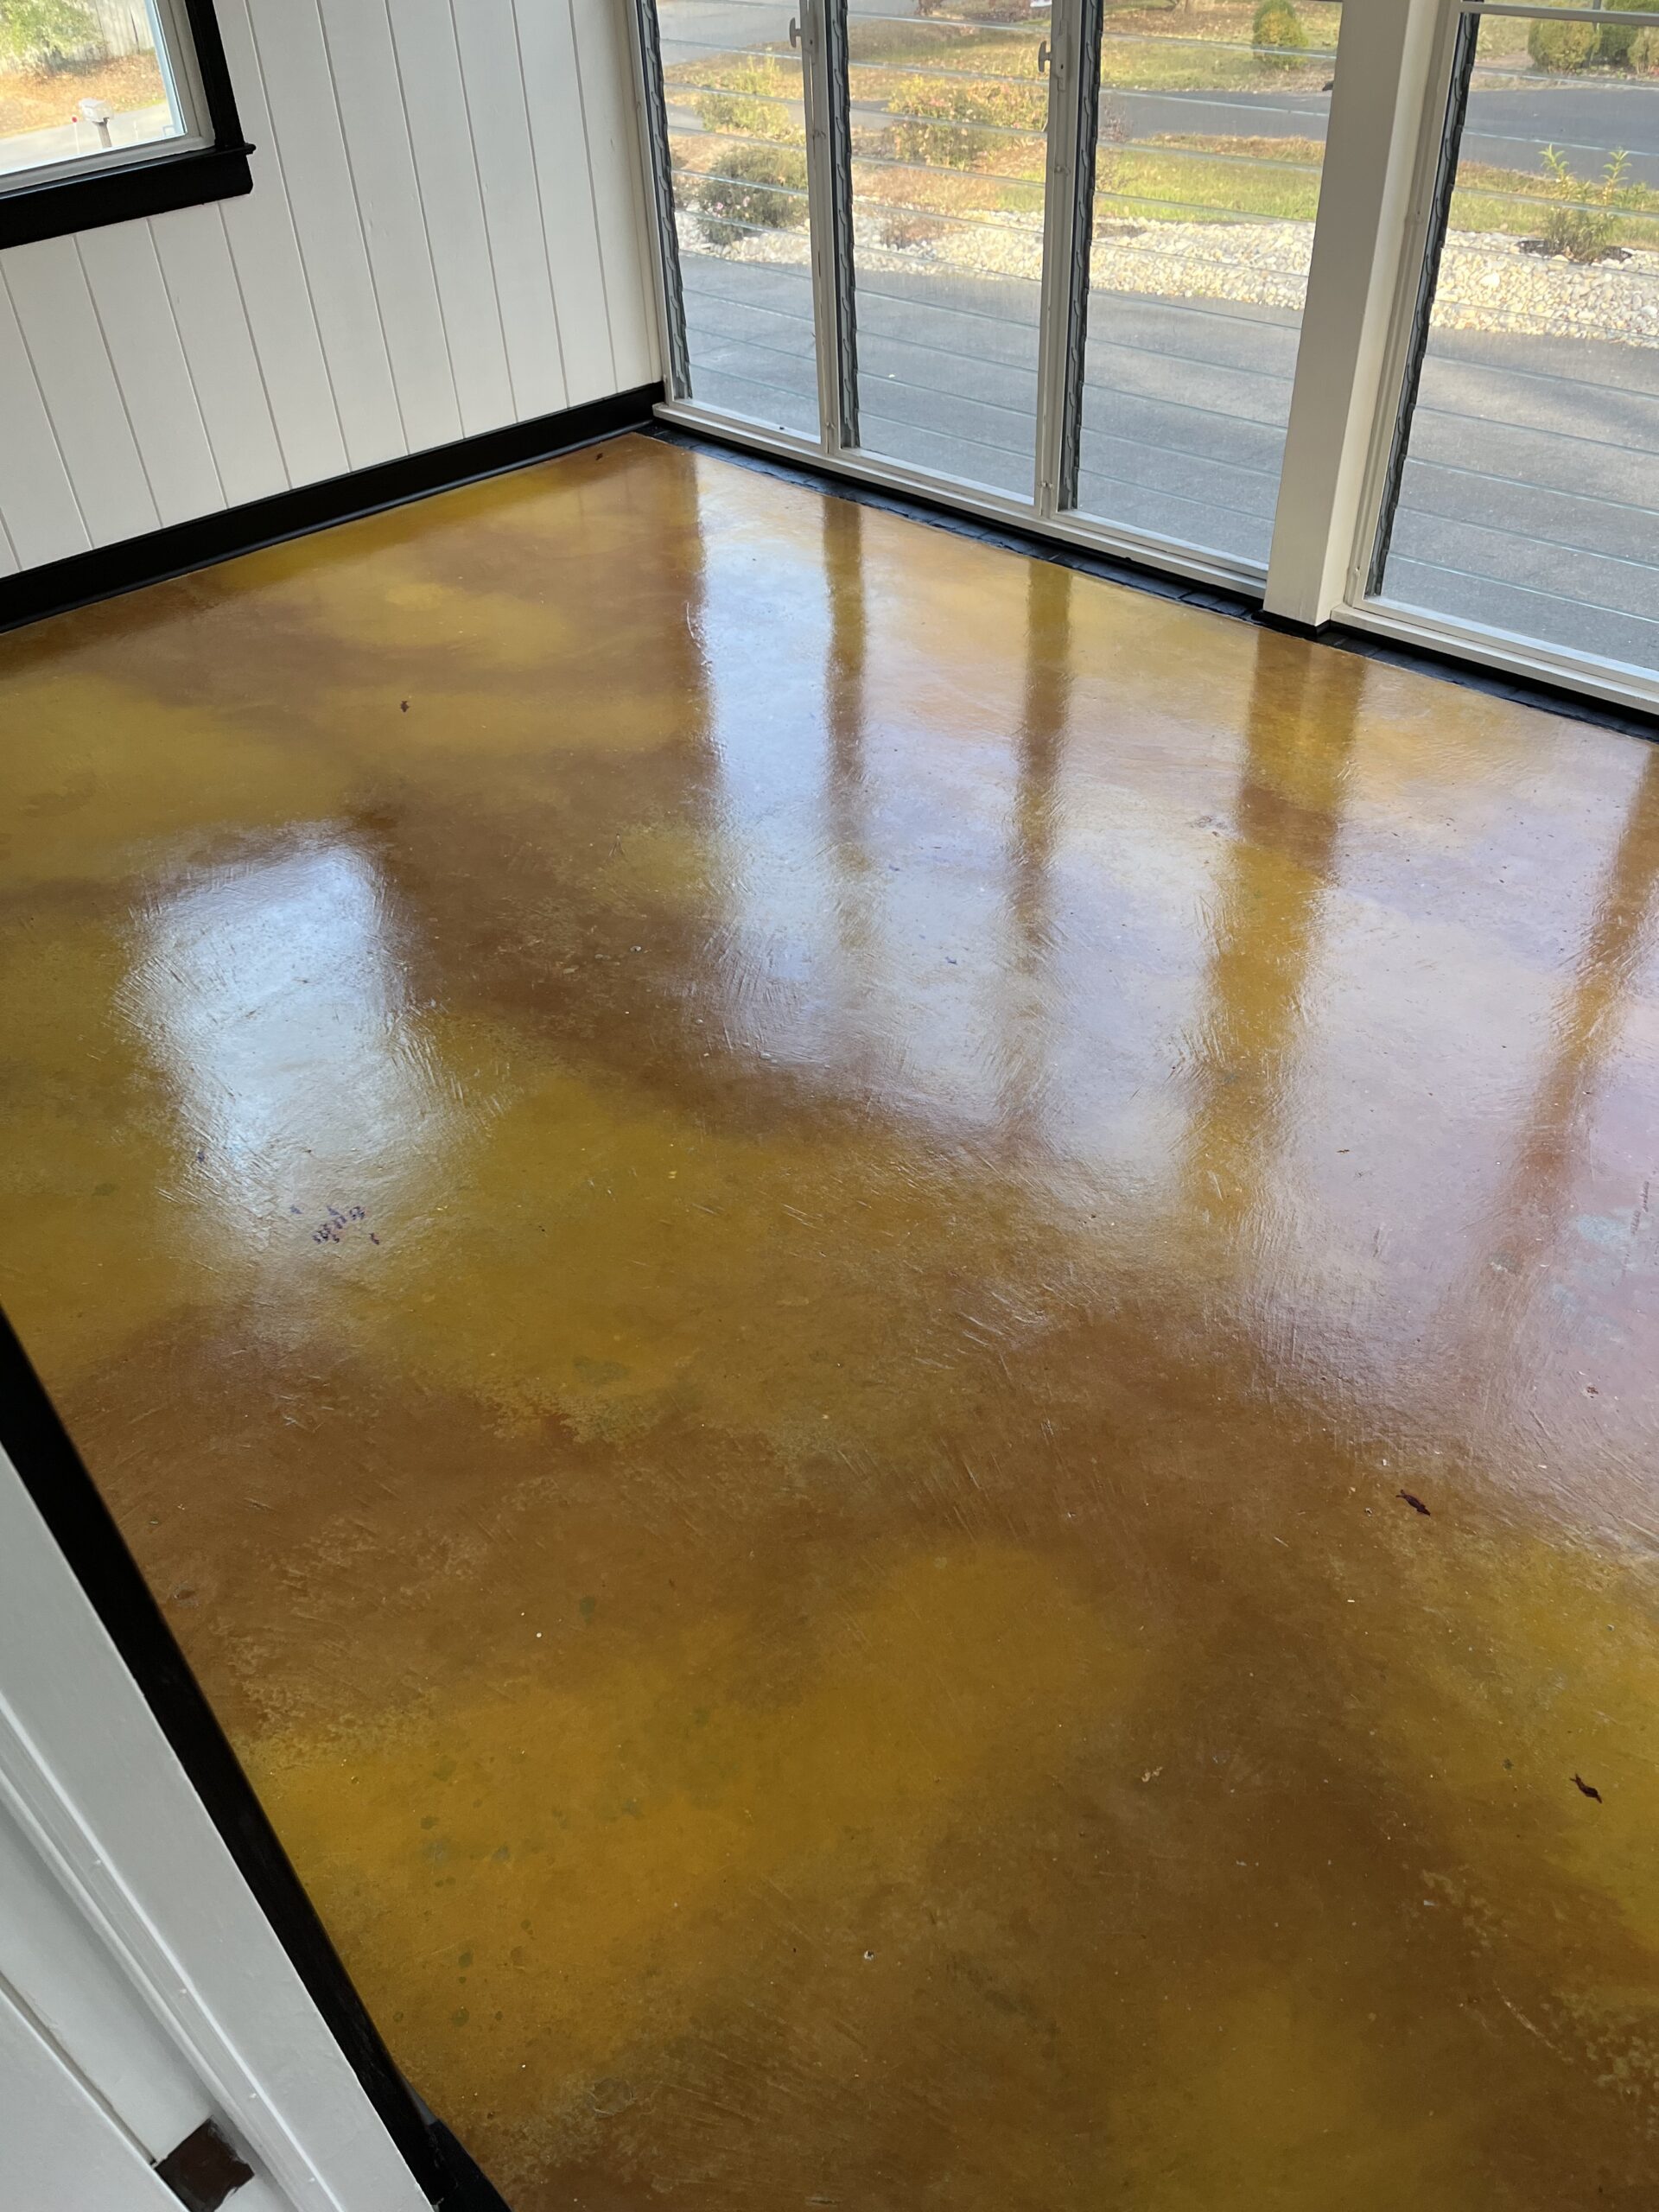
(887,1325)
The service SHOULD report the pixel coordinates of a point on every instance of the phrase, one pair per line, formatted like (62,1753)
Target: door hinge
(203,2170)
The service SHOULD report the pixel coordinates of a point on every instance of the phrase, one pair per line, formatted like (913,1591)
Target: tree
(32,32)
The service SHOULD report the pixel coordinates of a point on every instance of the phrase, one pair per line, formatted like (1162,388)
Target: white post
(1380,119)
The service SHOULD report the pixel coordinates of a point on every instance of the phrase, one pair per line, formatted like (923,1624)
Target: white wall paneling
(434,108)
(364,70)
(206,300)
(71,365)
(547,43)
(270,276)
(487,33)
(444,237)
(617,167)
(305,123)
(42,517)
(147,353)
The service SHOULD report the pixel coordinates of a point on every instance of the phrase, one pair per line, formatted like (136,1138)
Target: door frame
(116,1771)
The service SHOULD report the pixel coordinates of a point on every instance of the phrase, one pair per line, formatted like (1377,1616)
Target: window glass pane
(1528,498)
(79,77)
(737,151)
(949,124)
(1211,140)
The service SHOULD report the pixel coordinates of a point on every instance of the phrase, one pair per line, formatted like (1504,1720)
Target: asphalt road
(1508,128)
(1531,500)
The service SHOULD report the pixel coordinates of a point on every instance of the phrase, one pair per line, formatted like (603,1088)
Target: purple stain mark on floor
(330,1230)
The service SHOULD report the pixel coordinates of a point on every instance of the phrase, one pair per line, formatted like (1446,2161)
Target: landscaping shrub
(1614,41)
(1582,219)
(1644,54)
(1562,48)
(749,105)
(935,116)
(759,188)
(1277,34)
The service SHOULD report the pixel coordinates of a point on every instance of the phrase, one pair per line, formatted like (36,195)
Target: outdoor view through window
(1530,497)
(1525,495)
(1211,127)
(79,78)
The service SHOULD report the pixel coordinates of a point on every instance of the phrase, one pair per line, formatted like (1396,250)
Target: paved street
(1531,500)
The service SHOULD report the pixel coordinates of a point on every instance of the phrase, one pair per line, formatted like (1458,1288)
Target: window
(1523,494)
(111,110)
(1357,306)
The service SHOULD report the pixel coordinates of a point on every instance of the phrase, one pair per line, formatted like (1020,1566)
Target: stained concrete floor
(885,1324)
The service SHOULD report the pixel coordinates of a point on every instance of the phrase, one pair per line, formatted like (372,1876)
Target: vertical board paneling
(553,97)
(136,317)
(358,38)
(300,96)
(444,236)
(195,258)
(72,367)
(615,164)
(42,520)
(429,65)
(266,252)
(487,37)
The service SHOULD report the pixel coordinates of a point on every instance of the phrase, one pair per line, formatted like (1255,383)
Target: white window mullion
(1382,116)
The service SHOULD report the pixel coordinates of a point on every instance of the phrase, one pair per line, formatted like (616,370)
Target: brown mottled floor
(762,1220)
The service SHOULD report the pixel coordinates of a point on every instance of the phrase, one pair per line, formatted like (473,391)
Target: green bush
(40,33)
(1582,219)
(1562,48)
(757,188)
(936,117)
(1277,34)
(1614,41)
(1644,54)
(751,105)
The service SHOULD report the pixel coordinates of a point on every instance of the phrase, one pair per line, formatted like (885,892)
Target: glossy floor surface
(887,1326)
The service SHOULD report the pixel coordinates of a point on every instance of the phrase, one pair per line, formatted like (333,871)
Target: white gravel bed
(1487,282)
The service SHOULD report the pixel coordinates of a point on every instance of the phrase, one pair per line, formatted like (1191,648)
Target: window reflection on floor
(273,993)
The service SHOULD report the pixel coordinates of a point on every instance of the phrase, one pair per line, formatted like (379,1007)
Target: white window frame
(1382,151)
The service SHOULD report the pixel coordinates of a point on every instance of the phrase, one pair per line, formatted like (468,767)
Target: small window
(111,110)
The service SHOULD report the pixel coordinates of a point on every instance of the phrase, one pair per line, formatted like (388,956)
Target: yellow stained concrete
(761,1220)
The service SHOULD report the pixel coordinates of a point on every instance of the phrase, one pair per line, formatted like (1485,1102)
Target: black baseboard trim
(1240,605)
(940,514)
(470,2189)
(70,1504)
(107,570)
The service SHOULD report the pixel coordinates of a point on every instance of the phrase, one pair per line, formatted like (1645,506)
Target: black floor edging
(181,547)
(1135,575)
(468,2188)
(940,514)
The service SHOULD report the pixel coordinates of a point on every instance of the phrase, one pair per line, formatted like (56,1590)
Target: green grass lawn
(981,150)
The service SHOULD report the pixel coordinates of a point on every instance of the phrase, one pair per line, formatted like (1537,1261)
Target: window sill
(58,205)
